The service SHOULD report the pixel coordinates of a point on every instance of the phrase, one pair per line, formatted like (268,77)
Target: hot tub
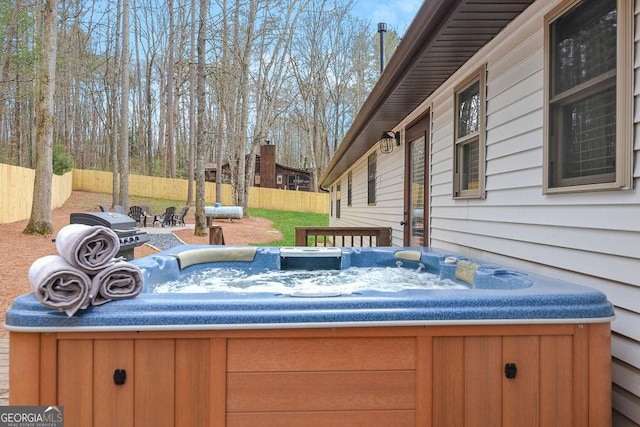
(503,347)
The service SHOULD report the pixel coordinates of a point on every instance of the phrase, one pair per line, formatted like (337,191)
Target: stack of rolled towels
(85,272)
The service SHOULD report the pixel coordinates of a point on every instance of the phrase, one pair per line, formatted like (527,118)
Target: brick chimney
(268,165)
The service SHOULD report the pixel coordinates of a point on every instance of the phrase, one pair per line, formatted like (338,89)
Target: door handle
(403,223)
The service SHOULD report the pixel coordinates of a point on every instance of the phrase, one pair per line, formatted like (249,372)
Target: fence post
(384,239)
(301,236)
(216,237)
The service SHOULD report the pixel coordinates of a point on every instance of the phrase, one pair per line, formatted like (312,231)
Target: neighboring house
(268,173)
(519,143)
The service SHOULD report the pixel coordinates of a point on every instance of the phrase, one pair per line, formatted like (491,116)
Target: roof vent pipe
(382,28)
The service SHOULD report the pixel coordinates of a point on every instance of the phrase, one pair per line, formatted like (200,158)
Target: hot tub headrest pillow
(206,255)
(466,270)
(408,255)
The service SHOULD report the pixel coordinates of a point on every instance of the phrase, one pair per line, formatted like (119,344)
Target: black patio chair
(166,218)
(178,219)
(136,212)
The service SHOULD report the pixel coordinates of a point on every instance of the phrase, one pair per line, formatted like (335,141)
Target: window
(338,198)
(349,188)
(588,128)
(371,178)
(468,154)
(331,201)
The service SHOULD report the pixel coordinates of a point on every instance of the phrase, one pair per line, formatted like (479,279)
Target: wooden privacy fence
(176,189)
(16,192)
(343,236)
(145,186)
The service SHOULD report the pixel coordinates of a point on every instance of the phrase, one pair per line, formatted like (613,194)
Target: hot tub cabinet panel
(385,376)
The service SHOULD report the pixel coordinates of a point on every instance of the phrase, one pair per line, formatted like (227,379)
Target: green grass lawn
(284,221)
(287,221)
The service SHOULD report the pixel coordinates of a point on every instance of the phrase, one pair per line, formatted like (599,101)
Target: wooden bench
(343,236)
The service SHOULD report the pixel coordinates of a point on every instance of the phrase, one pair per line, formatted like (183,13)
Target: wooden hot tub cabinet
(384,376)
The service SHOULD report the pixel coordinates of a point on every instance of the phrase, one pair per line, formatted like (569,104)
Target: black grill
(125,227)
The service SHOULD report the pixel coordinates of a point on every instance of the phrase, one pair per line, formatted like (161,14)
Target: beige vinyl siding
(636,94)
(590,238)
(442,150)
(387,212)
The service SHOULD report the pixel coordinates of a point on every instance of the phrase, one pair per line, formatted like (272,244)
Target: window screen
(583,95)
(469,137)
(371,178)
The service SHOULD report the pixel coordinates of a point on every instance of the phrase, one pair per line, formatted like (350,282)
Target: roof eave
(401,88)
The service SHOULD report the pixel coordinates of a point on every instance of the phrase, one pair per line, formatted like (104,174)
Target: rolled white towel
(117,281)
(58,284)
(87,247)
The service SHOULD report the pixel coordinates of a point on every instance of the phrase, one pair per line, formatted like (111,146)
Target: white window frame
(350,188)
(338,199)
(479,76)
(372,159)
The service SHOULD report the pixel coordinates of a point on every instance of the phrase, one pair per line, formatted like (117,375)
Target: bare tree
(200,226)
(7,53)
(242,44)
(142,144)
(110,81)
(124,109)
(170,171)
(222,99)
(310,63)
(40,221)
(270,76)
(291,71)
(192,104)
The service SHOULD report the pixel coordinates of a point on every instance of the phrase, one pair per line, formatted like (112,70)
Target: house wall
(591,238)
(387,211)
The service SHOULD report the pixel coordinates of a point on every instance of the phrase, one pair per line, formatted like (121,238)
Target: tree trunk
(222,94)
(170,171)
(111,106)
(244,105)
(141,140)
(200,226)
(149,110)
(124,109)
(192,105)
(162,120)
(40,221)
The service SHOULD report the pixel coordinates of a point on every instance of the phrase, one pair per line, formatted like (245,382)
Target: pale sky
(397,14)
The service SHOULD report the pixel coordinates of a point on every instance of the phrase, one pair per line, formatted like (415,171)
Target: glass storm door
(416,200)
(416,192)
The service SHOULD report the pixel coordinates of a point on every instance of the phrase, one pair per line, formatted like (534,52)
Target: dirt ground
(18,251)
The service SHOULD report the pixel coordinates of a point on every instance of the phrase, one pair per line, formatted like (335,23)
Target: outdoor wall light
(387,140)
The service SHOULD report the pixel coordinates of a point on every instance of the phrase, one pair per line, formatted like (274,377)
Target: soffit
(443,36)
